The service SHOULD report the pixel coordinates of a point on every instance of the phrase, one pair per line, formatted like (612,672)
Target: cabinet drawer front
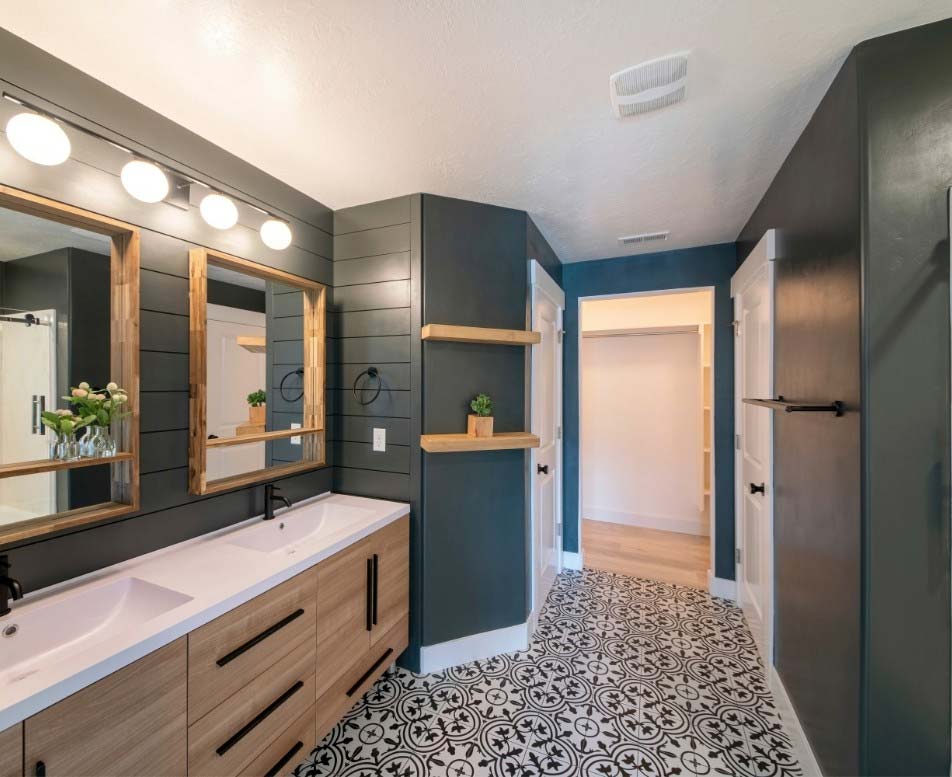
(11,751)
(229,652)
(228,738)
(292,746)
(354,683)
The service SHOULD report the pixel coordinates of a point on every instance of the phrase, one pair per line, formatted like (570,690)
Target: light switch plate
(380,439)
(295,440)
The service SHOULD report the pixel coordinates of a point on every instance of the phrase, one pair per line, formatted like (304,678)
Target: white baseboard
(801,745)
(436,658)
(571,560)
(689,525)
(721,587)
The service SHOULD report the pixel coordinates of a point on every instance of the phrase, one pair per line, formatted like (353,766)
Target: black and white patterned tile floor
(624,677)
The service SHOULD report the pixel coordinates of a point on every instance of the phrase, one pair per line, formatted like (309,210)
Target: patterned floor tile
(624,677)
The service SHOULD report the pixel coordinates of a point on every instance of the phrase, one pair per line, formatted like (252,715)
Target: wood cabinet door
(391,548)
(343,611)
(11,751)
(129,723)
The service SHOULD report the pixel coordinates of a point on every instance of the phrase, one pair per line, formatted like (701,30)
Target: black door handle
(542,469)
(758,489)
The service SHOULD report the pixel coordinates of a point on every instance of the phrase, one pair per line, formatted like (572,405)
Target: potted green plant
(480,421)
(256,407)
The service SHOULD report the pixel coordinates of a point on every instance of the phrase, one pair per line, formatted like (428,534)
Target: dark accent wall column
(905,87)
(689,268)
(474,529)
(814,203)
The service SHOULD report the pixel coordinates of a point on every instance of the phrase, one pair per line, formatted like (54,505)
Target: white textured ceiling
(500,101)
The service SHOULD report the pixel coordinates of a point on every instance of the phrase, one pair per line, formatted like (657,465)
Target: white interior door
(547,304)
(753,305)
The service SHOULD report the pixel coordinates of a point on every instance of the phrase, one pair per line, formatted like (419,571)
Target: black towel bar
(797,407)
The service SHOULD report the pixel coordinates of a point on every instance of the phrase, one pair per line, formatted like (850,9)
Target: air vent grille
(650,85)
(644,237)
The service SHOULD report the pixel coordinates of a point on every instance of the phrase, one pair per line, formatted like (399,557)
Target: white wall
(641,431)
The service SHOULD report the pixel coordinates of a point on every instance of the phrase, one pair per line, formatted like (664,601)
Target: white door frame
(541,283)
(713,498)
(763,255)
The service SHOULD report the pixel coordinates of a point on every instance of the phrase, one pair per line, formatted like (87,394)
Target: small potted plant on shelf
(480,421)
(256,407)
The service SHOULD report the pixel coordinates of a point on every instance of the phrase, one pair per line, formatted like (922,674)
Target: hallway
(667,556)
(624,677)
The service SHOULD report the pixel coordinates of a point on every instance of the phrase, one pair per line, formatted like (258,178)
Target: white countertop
(213,574)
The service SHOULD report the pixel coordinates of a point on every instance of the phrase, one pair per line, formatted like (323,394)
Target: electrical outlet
(295,440)
(380,439)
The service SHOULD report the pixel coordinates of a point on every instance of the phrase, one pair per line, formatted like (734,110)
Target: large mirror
(257,372)
(68,366)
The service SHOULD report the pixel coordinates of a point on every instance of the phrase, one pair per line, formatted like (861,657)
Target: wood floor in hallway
(671,557)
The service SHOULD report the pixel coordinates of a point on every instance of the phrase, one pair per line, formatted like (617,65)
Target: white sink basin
(296,526)
(38,635)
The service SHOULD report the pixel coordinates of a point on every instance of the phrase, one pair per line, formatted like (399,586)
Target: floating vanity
(230,654)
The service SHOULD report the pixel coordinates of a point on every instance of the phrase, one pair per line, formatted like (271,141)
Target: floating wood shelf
(253,344)
(780,403)
(49,465)
(244,439)
(461,443)
(478,334)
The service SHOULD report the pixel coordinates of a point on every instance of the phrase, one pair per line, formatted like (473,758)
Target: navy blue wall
(689,268)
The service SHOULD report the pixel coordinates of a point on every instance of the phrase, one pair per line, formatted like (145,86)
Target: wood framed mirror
(69,315)
(257,372)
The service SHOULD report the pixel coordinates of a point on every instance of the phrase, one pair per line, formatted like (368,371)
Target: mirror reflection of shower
(27,337)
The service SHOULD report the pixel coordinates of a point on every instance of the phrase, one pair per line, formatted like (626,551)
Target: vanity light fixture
(276,234)
(218,211)
(38,139)
(144,180)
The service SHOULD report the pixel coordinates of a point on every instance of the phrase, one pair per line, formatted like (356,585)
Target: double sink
(36,636)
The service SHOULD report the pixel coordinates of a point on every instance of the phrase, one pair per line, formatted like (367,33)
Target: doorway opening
(646,453)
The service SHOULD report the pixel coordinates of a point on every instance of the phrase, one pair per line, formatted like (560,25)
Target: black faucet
(272,494)
(9,588)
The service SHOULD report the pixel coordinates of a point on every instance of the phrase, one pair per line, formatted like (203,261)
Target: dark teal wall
(688,268)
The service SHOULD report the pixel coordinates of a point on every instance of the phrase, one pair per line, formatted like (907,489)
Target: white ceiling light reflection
(39,139)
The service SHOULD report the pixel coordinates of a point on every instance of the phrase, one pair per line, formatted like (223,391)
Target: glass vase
(97,443)
(64,446)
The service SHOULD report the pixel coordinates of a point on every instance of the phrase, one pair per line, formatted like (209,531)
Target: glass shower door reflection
(27,386)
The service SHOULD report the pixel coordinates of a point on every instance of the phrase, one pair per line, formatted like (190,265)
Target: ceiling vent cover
(644,237)
(650,85)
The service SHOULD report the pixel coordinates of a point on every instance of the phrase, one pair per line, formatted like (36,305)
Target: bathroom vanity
(230,654)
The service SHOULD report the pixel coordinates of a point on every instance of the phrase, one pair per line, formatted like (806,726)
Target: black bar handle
(365,675)
(758,489)
(370,594)
(376,588)
(276,769)
(40,769)
(229,657)
(235,738)
(542,469)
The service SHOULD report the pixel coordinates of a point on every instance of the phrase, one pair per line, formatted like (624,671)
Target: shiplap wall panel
(370,324)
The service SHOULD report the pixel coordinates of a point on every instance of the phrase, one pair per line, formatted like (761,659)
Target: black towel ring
(370,372)
(285,397)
